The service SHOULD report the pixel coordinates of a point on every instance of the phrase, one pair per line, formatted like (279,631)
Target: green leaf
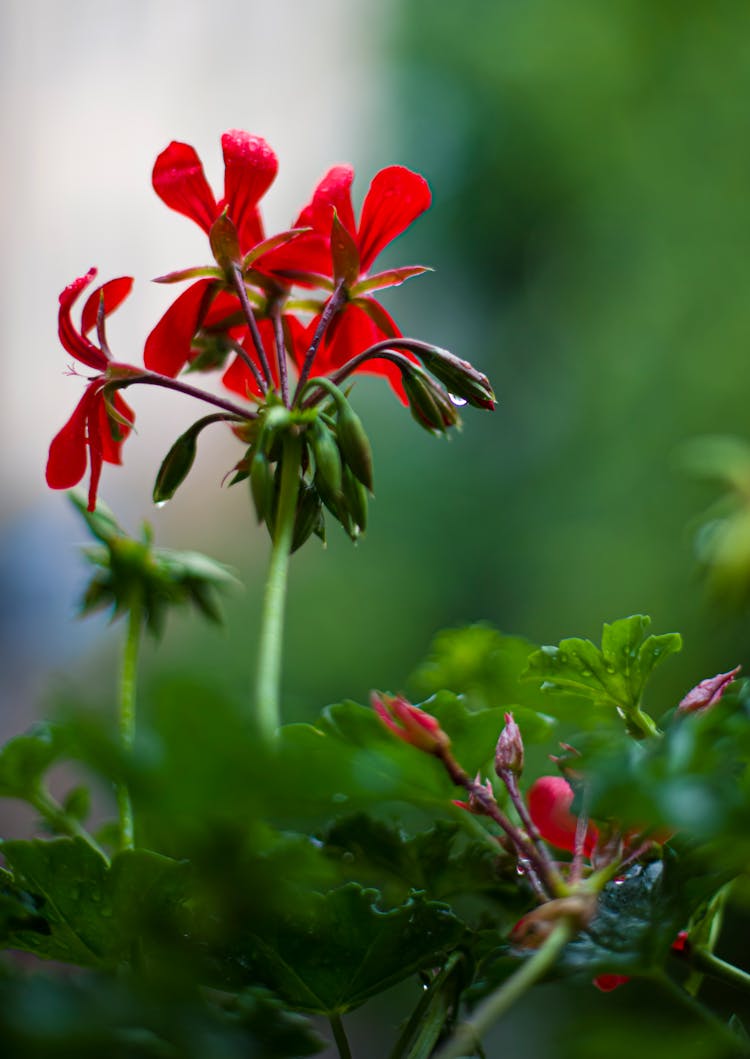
(480,663)
(127,570)
(611,676)
(25,759)
(441,861)
(335,950)
(348,760)
(90,914)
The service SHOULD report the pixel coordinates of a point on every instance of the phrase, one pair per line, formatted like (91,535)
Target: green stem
(436,1007)
(268,680)
(339,1035)
(469,1033)
(723,1032)
(51,811)
(126,716)
(707,963)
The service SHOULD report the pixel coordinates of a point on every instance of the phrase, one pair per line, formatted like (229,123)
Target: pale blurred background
(590,165)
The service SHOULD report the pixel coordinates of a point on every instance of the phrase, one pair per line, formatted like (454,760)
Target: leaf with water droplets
(611,676)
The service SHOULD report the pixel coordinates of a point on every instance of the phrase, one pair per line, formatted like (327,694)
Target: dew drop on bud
(161,503)
(459,402)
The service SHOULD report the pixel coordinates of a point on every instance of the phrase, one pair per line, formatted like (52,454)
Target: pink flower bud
(706,694)
(509,750)
(409,723)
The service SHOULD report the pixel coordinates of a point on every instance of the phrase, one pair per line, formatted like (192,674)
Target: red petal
(180,182)
(334,192)
(167,348)
(397,196)
(238,376)
(297,341)
(307,253)
(67,460)
(549,800)
(224,306)
(249,169)
(608,982)
(115,292)
(352,332)
(73,341)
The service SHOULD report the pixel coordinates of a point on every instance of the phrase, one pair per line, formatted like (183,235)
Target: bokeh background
(590,166)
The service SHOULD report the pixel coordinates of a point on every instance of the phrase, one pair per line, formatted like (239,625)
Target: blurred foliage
(308,877)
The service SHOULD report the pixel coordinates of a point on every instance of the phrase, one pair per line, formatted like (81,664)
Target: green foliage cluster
(274,883)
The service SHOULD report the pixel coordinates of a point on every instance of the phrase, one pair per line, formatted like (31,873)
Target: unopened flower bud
(409,723)
(477,804)
(429,402)
(509,751)
(706,694)
(354,443)
(533,929)
(461,377)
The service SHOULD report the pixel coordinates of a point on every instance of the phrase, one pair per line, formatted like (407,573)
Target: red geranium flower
(396,197)
(96,430)
(178,179)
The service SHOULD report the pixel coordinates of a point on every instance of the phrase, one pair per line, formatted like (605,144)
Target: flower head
(345,252)
(95,432)
(410,723)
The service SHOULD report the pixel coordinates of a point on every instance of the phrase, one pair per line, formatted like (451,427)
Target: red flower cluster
(242,314)
(324,249)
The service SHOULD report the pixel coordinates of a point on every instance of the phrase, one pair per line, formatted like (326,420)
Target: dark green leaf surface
(334,950)
(91,912)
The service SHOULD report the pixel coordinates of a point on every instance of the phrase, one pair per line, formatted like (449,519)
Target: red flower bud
(706,694)
(509,750)
(410,723)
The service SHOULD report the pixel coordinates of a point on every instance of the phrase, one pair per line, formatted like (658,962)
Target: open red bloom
(549,800)
(178,179)
(396,197)
(249,170)
(96,430)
